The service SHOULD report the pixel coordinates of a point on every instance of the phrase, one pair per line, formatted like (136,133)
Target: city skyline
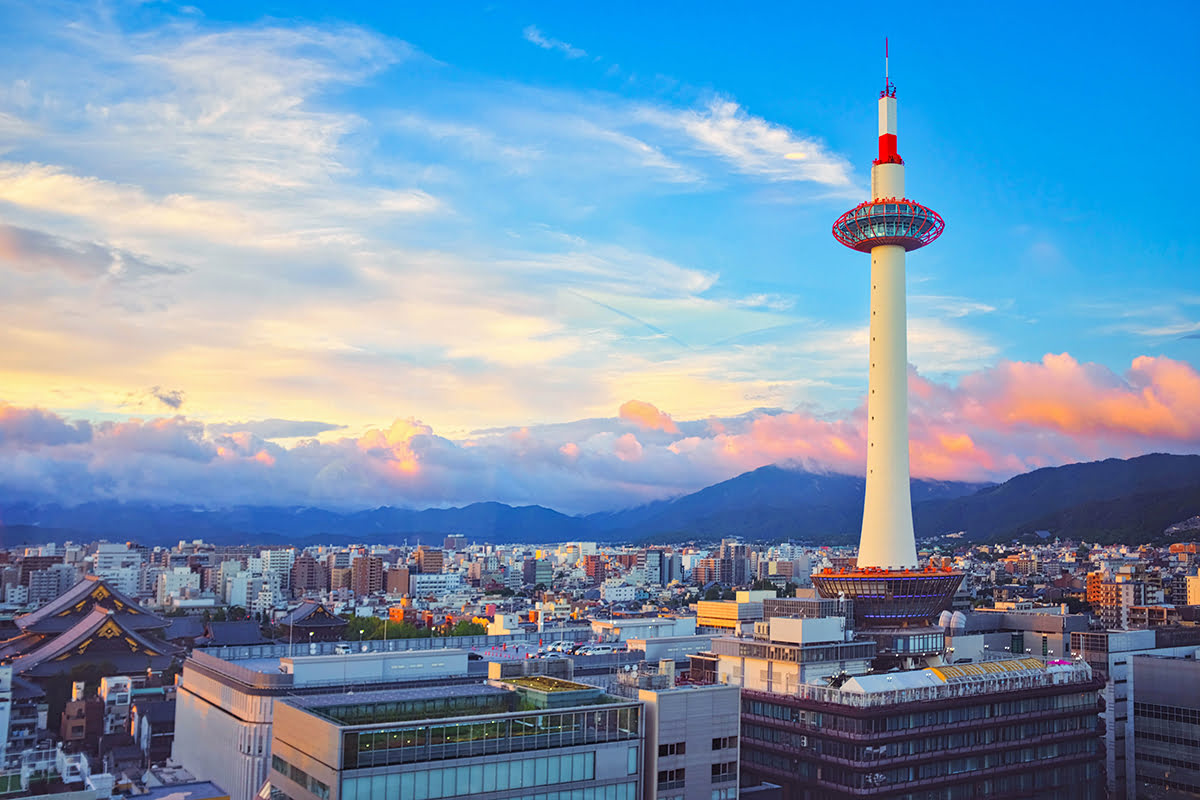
(528,256)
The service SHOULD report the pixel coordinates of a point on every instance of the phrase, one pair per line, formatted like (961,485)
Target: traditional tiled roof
(102,637)
(311,614)
(242,632)
(64,611)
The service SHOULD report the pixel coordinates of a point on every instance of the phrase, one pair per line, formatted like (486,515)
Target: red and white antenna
(888,89)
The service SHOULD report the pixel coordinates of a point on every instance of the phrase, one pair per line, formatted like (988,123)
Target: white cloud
(535,36)
(753,145)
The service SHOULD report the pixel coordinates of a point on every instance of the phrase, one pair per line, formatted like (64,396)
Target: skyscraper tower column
(895,598)
(887,532)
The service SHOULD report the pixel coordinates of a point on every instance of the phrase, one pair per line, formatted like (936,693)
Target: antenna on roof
(888,89)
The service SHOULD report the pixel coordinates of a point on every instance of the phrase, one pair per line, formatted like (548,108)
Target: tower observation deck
(890,589)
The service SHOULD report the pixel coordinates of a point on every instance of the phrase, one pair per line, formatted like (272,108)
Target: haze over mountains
(1111,500)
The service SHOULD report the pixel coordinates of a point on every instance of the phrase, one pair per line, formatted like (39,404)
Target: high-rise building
(366,575)
(894,596)
(1110,653)
(1166,728)
(430,561)
(397,580)
(308,575)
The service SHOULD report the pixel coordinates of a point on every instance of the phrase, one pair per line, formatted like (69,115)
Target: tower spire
(890,587)
(889,90)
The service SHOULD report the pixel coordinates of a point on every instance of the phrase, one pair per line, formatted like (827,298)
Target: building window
(724,772)
(670,779)
(724,742)
(673,749)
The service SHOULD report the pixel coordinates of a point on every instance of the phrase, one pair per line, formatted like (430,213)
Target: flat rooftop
(542,683)
(401,705)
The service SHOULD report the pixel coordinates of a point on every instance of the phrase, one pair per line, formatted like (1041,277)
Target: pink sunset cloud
(997,422)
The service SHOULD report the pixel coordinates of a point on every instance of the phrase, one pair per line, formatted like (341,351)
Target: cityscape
(859,528)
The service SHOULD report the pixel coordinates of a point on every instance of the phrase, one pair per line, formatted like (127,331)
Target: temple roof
(102,637)
(64,611)
(311,614)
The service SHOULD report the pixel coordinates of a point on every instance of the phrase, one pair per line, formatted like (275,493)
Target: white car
(598,650)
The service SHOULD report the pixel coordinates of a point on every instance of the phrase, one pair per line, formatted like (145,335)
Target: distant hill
(770,503)
(1107,501)
(1112,500)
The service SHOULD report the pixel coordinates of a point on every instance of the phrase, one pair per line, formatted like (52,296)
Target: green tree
(713,593)
(466,627)
(237,614)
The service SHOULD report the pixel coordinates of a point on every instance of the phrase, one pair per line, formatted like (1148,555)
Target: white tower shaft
(887,533)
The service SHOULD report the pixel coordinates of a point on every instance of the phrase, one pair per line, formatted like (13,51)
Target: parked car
(598,650)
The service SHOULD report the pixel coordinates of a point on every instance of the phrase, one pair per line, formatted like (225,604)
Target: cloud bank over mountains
(998,422)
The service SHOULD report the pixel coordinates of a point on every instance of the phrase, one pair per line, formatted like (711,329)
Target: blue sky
(454,243)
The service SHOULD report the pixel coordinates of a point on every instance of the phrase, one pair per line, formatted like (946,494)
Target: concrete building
(119,566)
(430,561)
(525,737)
(1005,728)
(434,584)
(179,582)
(622,629)
(366,576)
(691,734)
(47,584)
(786,653)
(225,709)
(1110,654)
(1165,757)
(727,616)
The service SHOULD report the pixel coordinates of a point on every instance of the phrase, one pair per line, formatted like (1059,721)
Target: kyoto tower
(889,588)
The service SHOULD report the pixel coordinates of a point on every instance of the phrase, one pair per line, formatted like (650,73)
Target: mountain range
(1131,500)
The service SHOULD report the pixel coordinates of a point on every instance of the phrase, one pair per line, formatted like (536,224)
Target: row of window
(1060,782)
(849,776)
(431,784)
(1168,738)
(724,742)
(1167,783)
(726,771)
(672,749)
(414,744)
(1186,763)
(613,791)
(915,745)
(1170,713)
(671,779)
(301,777)
(1011,706)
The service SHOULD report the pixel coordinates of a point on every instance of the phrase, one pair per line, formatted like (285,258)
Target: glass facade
(899,222)
(456,781)
(411,744)
(891,599)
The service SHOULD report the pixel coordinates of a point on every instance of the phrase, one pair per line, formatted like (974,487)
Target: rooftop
(197,790)
(400,705)
(938,683)
(543,683)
